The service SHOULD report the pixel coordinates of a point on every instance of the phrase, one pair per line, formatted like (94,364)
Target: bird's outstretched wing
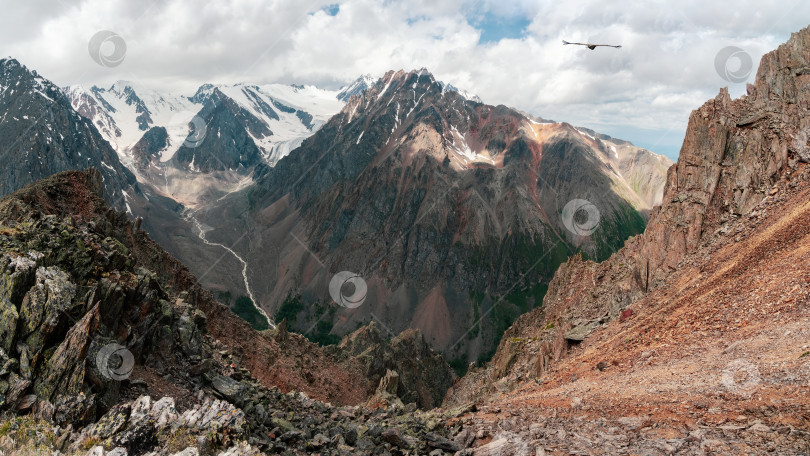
(593,46)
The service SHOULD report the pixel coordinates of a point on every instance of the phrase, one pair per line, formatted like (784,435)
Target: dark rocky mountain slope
(451,211)
(41,134)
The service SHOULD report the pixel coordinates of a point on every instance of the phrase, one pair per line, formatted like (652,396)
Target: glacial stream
(201,235)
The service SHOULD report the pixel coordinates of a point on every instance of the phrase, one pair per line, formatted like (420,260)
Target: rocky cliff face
(223,139)
(107,341)
(147,150)
(734,152)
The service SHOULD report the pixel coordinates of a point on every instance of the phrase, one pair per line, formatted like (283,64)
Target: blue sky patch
(332,9)
(494,28)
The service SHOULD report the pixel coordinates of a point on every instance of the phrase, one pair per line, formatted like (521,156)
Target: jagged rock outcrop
(406,368)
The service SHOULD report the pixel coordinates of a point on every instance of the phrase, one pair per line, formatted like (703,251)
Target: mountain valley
(397,268)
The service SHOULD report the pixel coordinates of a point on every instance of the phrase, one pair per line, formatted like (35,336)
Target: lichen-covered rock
(579,333)
(76,410)
(386,394)
(15,280)
(8,324)
(64,372)
(215,416)
(163,413)
(45,307)
(112,422)
(188,332)
(228,387)
(242,449)
(17,388)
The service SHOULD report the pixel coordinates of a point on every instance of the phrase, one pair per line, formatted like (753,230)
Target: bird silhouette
(593,46)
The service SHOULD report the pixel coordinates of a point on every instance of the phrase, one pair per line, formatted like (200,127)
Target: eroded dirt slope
(714,362)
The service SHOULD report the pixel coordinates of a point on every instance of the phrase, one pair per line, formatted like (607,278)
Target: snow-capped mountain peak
(277,117)
(357,87)
(463,93)
(125,111)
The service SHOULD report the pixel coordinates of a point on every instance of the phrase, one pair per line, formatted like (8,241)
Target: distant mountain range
(455,213)
(233,130)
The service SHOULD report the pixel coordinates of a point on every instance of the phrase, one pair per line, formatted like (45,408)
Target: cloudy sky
(508,52)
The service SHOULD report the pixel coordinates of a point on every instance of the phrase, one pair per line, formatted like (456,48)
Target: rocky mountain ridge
(691,338)
(200,147)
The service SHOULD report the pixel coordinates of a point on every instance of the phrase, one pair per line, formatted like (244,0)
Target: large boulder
(64,372)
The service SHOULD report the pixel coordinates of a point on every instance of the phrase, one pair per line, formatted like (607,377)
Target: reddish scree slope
(717,360)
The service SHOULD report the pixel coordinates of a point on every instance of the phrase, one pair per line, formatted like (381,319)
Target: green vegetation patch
(247,311)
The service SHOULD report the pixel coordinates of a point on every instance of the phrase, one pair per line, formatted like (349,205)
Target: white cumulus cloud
(642,92)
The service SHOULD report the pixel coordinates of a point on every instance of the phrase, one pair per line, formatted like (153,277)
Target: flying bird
(594,46)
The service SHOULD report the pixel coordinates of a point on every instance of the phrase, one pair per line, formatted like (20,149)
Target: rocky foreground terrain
(78,276)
